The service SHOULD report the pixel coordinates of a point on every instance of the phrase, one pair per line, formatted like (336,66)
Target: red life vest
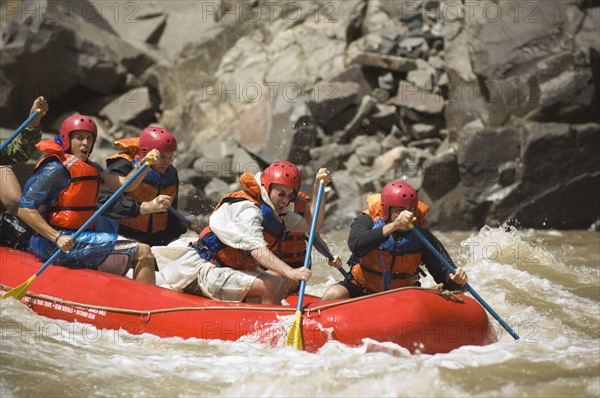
(401,262)
(145,192)
(210,248)
(292,247)
(77,202)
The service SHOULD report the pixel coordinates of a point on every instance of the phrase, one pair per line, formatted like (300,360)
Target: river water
(544,284)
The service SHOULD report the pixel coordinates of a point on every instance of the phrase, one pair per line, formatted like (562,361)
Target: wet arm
(270,261)
(35,220)
(38,192)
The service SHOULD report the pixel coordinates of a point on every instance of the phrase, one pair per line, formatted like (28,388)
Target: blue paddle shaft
(467,286)
(311,239)
(95,215)
(18,130)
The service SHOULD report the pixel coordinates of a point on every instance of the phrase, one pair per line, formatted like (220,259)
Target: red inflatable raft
(421,320)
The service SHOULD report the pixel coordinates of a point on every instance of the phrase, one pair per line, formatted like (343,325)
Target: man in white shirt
(244,225)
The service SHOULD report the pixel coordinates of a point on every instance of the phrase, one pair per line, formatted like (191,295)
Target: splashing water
(545,284)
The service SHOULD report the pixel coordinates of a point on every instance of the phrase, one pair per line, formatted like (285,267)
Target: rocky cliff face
(489,108)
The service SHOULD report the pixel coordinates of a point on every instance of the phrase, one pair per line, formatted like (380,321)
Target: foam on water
(538,294)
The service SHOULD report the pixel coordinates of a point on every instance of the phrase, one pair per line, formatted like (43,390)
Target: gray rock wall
(489,108)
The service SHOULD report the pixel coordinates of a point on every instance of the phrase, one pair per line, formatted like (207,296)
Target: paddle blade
(294,338)
(20,291)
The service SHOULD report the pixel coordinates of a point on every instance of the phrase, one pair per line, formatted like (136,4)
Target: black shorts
(354,288)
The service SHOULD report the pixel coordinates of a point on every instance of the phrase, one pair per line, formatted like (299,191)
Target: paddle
(20,128)
(181,218)
(294,338)
(20,291)
(325,250)
(467,286)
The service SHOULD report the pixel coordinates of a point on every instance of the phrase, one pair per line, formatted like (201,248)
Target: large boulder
(531,65)
(488,108)
(558,185)
(67,52)
(270,131)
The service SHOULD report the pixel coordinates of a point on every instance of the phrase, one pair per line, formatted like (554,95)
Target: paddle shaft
(311,239)
(180,217)
(447,264)
(325,250)
(95,215)
(19,129)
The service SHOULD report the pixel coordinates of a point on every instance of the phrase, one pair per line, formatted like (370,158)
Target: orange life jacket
(212,249)
(77,202)
(148,189)
(292,247)
(393,264)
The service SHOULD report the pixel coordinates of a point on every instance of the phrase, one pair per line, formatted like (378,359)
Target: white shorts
(224,283)
(180,266)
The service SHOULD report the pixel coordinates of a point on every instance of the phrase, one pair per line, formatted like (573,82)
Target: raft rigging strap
(448,295)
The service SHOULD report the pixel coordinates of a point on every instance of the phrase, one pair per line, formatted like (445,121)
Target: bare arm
(35,220)
(267,259)
(115,181)
(41,105)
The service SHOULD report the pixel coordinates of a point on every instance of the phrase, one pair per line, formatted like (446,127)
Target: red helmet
(76,123)
(157,138)
(281,172)
(399,194)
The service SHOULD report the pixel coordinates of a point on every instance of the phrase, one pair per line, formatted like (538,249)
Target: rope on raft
(448,295)
(438,288)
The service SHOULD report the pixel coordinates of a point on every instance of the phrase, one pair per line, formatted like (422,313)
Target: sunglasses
(282,194)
